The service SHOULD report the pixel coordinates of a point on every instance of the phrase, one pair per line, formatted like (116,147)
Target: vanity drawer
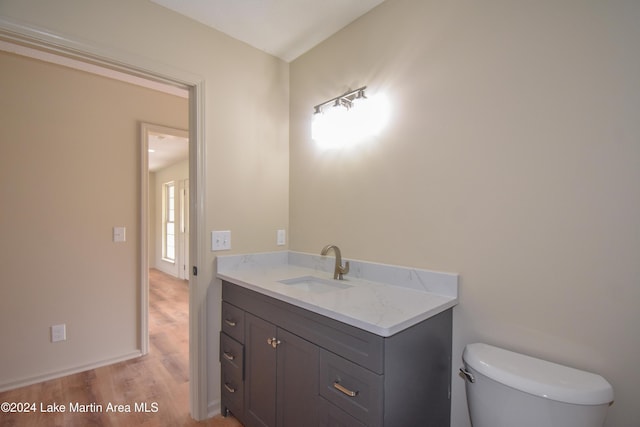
(231,354)
(232,390)
(352,388)
(233,321)
(332,416)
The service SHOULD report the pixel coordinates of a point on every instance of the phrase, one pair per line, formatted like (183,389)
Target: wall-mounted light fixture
(348,118)
(345,100)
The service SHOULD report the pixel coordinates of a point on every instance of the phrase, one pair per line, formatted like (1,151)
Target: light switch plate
(220,240)
(119,234)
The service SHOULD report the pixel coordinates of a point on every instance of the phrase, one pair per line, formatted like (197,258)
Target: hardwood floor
(157,382)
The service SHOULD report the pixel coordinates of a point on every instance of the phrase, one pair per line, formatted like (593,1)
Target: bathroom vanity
(300,349)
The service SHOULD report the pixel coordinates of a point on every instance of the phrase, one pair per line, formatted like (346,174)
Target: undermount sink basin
(315,284)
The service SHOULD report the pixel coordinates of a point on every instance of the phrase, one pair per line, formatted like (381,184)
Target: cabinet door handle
(273,342)
(229,388)
(344,390)
(230,322)
(228,356)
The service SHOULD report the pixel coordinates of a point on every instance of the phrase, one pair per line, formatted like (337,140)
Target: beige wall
(246,114)
(69,164)
(512,157)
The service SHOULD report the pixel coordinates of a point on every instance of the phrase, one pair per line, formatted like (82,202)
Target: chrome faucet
(339,269)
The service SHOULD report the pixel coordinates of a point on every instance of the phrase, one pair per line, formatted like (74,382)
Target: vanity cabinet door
(297,381)
(260,372)
(281,377)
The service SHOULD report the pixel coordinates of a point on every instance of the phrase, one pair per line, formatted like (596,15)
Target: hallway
(152,390)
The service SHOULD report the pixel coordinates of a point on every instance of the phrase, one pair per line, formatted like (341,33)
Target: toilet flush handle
(467,375)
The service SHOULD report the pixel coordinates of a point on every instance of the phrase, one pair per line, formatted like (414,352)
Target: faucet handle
(342,270)
(345,269)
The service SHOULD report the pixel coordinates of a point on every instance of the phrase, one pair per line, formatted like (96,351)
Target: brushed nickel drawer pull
(230,322)
(228,356)
(344,390)
(229,388)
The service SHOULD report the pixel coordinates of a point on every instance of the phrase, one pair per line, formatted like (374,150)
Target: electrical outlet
(281,239)
(220,240)
(58,332)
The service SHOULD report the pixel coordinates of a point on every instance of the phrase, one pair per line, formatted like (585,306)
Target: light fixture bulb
(319,126)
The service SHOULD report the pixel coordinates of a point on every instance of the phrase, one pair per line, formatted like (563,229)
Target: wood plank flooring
(159,380)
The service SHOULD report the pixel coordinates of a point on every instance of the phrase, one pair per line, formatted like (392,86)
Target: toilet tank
(511,389)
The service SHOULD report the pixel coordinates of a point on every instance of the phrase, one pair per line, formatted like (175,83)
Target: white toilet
(507,389)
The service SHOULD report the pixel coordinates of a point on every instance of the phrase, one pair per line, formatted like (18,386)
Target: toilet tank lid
(538,377)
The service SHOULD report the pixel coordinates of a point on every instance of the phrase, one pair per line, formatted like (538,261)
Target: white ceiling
(167,150)
(283,28)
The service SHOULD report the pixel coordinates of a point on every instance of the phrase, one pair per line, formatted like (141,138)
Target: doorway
(168,198)
(152,72)
(164,154)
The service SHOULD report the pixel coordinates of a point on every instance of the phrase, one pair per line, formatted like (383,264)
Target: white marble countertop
(380,298)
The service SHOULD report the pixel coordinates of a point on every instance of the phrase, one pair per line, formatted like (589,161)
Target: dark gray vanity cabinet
(284,366)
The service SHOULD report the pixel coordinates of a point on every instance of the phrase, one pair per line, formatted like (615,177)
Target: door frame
(185,237)
(142,67)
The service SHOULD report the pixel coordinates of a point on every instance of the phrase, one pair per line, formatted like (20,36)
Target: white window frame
(169,218)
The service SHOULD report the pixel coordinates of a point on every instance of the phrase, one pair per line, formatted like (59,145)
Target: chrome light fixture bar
(345,100)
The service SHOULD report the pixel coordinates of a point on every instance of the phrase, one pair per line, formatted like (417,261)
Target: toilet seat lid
(538,377)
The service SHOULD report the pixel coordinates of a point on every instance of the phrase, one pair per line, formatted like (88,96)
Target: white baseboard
(213,408)
(63,373)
